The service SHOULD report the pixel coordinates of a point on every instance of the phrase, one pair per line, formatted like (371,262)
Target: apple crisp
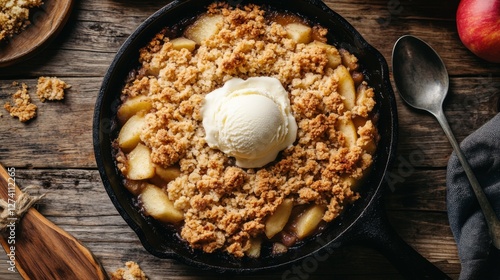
(22,109)
(161,149)
(14,16)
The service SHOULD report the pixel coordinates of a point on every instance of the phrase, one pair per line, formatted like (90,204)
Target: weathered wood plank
(97,29)
(471,102)
(61,134)
(416,189)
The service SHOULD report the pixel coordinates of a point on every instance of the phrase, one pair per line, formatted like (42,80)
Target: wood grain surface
(39,249)
(54,151)
(45,24)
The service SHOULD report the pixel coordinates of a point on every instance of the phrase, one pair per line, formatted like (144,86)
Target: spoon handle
(489,214)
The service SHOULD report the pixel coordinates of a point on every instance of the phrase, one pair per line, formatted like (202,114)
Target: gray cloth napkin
(479,258)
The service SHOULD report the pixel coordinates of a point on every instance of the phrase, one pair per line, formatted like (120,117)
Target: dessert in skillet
(245,129)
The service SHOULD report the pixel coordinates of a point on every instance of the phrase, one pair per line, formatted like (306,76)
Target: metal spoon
(422,81)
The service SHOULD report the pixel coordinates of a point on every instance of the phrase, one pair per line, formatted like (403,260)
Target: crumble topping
(22,109)
(131,271)
(14,16)
(225,206)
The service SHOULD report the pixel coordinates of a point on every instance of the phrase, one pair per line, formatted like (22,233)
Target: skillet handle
(377,232)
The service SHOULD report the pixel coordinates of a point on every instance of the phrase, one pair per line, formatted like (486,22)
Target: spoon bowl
(429,76)
(422,81)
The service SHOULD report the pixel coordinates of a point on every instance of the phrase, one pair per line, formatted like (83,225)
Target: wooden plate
(46,22)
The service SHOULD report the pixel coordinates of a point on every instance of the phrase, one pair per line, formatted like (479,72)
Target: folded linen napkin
(479,258)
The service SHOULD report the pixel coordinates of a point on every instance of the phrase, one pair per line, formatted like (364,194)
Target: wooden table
(54,151)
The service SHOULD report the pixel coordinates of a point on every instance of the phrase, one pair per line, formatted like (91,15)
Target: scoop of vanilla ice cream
(249,120)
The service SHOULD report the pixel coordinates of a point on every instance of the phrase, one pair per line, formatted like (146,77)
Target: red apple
(478,24)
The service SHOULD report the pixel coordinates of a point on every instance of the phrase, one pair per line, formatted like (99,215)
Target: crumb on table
(51,88)
(22,108)
(131,271)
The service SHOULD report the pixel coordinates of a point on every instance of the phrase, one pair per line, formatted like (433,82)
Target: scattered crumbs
(23,108)
(50,88)
(14,16)
(131,271)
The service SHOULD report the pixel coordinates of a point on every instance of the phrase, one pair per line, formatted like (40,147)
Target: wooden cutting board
(46,22)
(42,250)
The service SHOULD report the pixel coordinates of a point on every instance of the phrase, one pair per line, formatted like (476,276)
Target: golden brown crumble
(22,108)
(131,271)
(51,88)
(14,16)
(225,206)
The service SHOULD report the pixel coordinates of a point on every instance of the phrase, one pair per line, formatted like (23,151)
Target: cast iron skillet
(363,223)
